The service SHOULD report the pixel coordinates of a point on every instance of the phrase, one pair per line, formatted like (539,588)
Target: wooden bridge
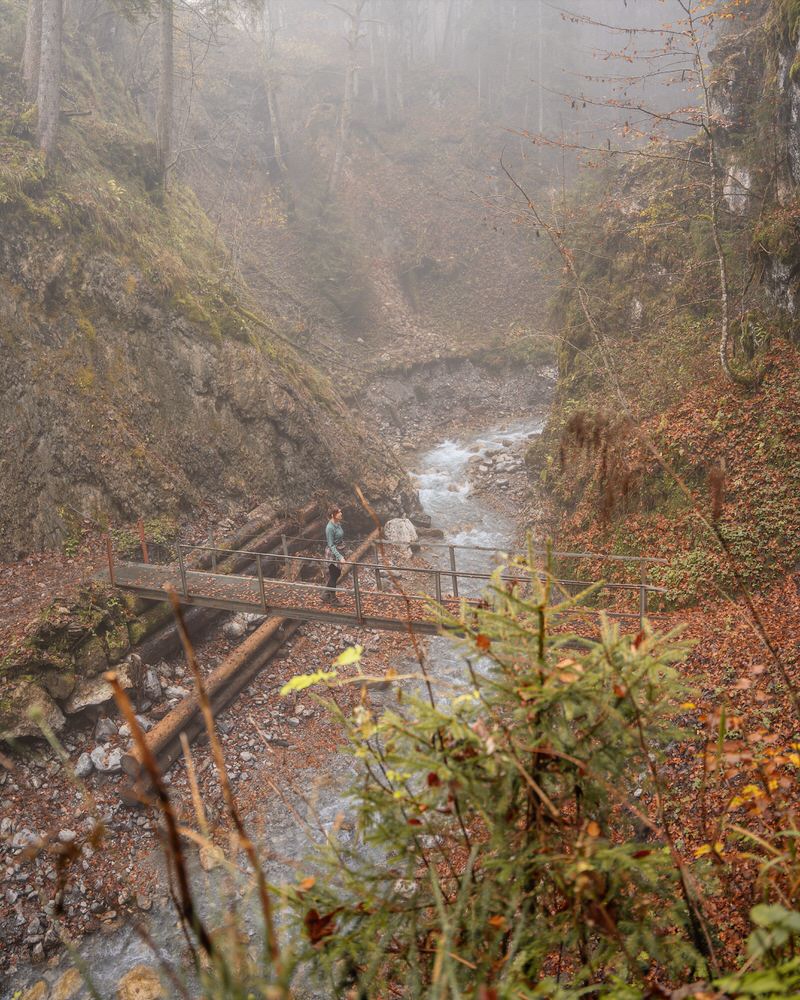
(378,591)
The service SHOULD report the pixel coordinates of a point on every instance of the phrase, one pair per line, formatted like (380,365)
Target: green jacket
(334,533)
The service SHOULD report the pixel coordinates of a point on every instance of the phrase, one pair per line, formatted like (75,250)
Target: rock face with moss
(137,376)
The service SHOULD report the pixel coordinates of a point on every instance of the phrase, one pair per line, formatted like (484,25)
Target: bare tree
(31,57)
(165,115)
(346,113)
(269,27)
(49,89)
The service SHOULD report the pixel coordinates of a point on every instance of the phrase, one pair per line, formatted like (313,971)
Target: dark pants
(334,572)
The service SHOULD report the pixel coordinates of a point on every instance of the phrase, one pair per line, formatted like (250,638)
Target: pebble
(246,755)
(67,836)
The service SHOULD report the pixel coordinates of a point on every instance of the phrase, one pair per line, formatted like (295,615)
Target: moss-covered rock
(21,703)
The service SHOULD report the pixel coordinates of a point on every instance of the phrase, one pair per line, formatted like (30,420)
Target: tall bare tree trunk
(31,57)
(349,89)
(269,29)
(165,116)
(446,35)
(49,90)
(388,89)
(373,67)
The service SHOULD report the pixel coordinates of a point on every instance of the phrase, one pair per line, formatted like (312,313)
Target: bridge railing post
(357,593)
(213,550)
(182,565)
(285,547)
(453,571)
(262,592)
(378,579)
(437,579)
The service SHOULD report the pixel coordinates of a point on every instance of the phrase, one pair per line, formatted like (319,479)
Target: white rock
(84,767)
(67,836)
(95,691)
(107,760)
(176,691)
(234,629)
(399,531)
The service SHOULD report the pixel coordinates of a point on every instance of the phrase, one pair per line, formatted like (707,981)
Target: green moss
(117,642)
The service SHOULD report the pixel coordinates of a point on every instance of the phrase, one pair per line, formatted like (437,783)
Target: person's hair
(334,511)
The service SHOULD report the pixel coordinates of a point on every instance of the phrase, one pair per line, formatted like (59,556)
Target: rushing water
(288,825)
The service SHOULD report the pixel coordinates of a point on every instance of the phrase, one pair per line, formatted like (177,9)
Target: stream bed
(287,825)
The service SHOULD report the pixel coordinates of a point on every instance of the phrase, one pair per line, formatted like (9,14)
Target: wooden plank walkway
(383,610)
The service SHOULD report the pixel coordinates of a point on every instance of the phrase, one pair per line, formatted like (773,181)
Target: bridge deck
(380,594)
(382,610)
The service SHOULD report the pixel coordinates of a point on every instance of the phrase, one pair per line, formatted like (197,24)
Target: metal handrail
(538,550)
(458,574)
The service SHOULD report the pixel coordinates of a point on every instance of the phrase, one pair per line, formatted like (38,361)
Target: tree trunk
(373,67)
(347,99)
(165,115)
(447,34)
(33,49)
(387,75)
(49,91)
(269,28)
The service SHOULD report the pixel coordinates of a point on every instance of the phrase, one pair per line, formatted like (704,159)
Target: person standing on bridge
(334,533)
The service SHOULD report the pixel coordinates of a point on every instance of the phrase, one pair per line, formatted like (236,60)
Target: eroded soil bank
(283,754)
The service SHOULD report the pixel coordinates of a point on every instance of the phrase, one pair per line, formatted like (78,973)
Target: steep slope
(138,378)
(649,273)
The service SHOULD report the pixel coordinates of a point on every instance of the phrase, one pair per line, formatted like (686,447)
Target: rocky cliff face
(138,375)
(757,94)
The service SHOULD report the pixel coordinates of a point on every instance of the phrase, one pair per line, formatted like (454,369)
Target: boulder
(399,534)
(95,690)
(59,684)
(18,702)
(399,531)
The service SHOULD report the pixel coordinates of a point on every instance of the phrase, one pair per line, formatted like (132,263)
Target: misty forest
(399,479)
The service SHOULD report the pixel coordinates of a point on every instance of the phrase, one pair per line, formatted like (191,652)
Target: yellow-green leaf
(303,681)
(351,655)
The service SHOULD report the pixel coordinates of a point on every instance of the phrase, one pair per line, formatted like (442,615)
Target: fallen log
(240,538)
(222,686)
